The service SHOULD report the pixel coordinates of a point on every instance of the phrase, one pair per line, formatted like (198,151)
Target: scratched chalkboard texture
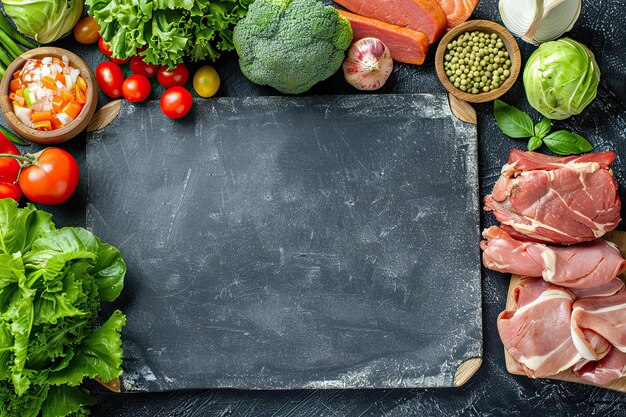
(278,243)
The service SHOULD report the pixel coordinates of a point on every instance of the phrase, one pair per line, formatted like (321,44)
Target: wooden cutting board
(617,237)
(293,242)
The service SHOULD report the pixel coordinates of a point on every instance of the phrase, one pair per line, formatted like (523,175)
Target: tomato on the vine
(110,79)
(176,102)
(86,30)
(53,179)
(136,88)
(171,78)
(10,191)
(106,51)
(138,66)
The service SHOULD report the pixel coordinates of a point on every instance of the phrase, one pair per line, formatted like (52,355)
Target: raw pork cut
(554,199)
(612,287)
(588,265)
(604,371)
(536,332)
(424,16)
(605,316)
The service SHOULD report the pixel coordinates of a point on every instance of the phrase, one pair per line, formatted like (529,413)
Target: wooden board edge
(466,370)
(113,385)
(103,117)
(462,110)
(619,238)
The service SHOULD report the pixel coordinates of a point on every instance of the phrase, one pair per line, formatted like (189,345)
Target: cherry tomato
(137,66)
(10,191)
(176,102)
(171,78)
(110,79)
(206,81)
(136,88)
(9,167)
(55,181)
(106,51)
(86,30)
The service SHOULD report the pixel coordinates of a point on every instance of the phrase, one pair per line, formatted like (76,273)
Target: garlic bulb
(538,21)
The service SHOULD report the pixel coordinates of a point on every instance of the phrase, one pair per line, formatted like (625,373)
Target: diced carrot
(67,96)
(72,109)
(49,83)
(43,125)
(16,74)
(56,123)
(41,116)
(80,83)
(57,103)
(60,77)
(15,85)
(16,98)
(80,96)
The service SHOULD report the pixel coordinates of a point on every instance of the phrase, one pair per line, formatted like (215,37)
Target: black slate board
(277,243)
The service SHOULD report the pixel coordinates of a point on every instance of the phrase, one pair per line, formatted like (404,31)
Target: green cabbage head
(561,78)
(44,20)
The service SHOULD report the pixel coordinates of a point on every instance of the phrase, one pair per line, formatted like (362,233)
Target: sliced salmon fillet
(406,45)
(457,11)
(424,16)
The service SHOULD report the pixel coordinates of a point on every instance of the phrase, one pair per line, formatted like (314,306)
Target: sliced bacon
(405,45)
(556,200)
(536,333)
(424,16)
(588,265)
(605,316)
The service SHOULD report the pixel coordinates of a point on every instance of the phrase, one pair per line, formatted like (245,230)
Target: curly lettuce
(52,285)
(169,30)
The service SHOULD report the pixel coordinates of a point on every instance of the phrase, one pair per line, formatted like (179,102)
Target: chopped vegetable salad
(47,93)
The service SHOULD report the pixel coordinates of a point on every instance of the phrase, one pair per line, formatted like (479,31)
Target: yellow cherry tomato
(206,81)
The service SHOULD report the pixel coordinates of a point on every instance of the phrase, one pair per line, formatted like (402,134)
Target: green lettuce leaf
(64,400)
(20,227)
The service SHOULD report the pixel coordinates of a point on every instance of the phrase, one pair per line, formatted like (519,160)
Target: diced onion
(64,118)
(538,21)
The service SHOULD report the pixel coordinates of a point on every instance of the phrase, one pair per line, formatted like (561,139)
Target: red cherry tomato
(171,78)
(106,51)
(10,191)
(86,30)
(55,181)
(9,167)
(137,66)
(110,79)
(176,102)
(136,88)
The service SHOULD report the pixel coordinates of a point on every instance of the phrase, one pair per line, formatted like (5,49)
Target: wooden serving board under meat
(617,237)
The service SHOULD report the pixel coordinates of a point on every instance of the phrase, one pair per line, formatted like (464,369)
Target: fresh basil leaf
(543,128)
(512,121)
(563,142)
(534,143)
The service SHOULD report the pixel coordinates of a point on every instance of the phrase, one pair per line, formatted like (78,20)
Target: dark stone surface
(293,242)
(492,391)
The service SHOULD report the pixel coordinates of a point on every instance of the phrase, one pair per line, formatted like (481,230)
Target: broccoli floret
(291,44)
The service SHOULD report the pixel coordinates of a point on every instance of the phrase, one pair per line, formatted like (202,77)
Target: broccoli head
(291,44)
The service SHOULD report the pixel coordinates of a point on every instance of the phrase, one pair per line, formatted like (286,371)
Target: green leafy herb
(52,283)
(512,121)
(516,124)
(563,142)
(534,143)
(168,29)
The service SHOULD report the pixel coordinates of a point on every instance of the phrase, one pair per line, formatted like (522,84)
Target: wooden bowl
(486,26)
(54,136)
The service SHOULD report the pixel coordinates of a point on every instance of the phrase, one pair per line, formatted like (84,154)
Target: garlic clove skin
(368,64)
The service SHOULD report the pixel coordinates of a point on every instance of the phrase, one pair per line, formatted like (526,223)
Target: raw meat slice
(614,286)
(605,371)
(457,11)
(424,16)
(556,200)
(405,45)
(536,333)
(590,345)
(588,265)
(605,316)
